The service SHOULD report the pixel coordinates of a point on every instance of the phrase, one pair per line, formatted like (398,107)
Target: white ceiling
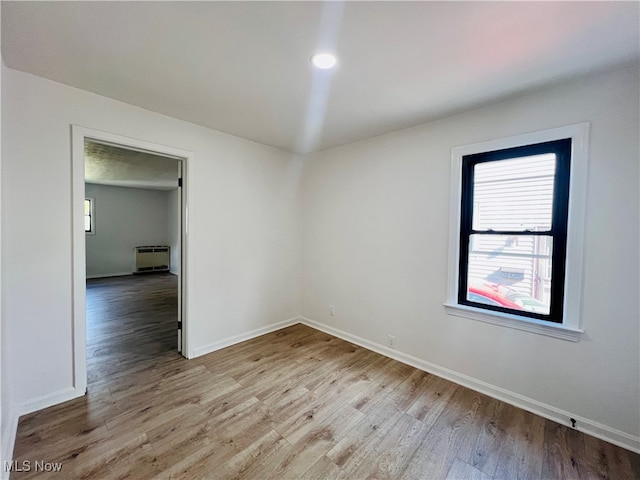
(110,165)
(243,67)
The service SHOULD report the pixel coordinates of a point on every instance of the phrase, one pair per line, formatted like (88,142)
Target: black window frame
(562,148)
(92,229)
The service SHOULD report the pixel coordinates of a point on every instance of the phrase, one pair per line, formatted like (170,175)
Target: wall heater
(152,258)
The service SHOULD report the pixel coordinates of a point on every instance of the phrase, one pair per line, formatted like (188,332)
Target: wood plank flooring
(293,404)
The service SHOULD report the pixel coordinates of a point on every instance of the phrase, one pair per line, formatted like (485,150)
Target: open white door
(180,227)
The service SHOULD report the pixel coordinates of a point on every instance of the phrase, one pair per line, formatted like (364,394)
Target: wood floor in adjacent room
(296,403)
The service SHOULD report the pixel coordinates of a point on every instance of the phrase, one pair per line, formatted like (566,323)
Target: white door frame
(78,136)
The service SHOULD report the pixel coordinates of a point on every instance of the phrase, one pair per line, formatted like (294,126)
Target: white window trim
(572,312)
(93,216)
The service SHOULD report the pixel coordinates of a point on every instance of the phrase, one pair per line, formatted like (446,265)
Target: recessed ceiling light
(324,60)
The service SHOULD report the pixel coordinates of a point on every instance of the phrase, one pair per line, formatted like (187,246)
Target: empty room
(397,240)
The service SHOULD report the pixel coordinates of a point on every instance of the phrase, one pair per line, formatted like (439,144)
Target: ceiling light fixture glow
(324,60)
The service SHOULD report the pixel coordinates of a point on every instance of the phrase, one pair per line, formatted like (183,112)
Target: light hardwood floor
(296,403)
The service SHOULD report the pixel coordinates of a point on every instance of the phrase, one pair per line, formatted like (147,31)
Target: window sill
(513,321)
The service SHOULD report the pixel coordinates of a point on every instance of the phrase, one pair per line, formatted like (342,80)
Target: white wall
(243,239)
(5,418)
(376,240)
(124,218)
(173,229)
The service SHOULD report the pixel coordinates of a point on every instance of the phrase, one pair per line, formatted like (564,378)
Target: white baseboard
(590,427)
(227,342)
(49,400)
(9,431)
(108,275)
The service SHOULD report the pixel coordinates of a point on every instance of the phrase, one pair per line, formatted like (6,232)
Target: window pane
(87,207)
(514,194)
(87,223)
(513,271)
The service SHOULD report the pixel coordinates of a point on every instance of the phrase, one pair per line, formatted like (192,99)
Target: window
(516,231)
(89,217)
(513,229)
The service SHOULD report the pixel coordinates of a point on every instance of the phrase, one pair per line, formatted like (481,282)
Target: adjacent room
(338,240)
(133,228)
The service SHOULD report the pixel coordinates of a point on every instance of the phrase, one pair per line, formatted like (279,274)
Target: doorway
(81,137)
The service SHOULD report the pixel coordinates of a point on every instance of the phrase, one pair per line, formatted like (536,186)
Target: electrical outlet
(332,310)
(391,341)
